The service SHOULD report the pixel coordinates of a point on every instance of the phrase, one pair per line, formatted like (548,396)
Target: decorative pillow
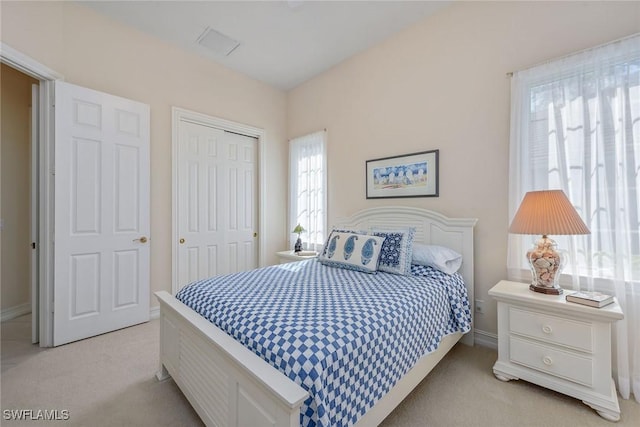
(340,230)
(352,251)
(444,259)
(395,255)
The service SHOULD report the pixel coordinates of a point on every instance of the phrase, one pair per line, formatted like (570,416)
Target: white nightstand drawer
(556,362)
(552,329)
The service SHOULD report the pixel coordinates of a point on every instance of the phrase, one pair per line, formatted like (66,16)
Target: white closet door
(217,202)
(102,194)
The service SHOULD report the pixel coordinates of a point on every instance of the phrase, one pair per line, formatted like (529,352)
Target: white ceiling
(283,43)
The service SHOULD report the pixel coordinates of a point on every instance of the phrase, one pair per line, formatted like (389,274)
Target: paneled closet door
(217,202)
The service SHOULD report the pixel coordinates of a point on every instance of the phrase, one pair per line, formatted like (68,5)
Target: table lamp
(547,212)
(298,246)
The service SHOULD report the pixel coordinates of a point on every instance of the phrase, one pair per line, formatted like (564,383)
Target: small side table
(557,344)
(290,256)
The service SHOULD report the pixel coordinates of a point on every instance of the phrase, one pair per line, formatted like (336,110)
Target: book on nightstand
(592,299)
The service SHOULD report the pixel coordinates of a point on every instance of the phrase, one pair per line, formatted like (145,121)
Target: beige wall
(441,84)
(98,53)
(15,188)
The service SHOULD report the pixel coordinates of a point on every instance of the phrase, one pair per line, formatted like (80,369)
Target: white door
(101,249)
(217,202)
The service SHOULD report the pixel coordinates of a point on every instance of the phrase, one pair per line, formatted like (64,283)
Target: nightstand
(290,256)
(556,344)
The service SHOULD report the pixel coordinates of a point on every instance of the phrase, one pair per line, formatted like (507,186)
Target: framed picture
(409,175)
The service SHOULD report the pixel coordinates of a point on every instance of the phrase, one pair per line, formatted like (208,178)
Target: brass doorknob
(182,240)
(142,239)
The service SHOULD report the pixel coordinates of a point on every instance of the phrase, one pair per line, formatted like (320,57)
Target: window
(575,126)
(307,189)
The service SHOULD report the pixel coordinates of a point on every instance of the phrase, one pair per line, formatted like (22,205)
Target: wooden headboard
(431,228)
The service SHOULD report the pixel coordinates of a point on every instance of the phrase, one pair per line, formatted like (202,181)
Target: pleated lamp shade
(547,212)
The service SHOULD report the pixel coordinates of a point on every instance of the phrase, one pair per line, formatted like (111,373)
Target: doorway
(19,201)
(46,77)
(130,295)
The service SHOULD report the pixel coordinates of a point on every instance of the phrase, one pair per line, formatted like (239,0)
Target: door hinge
(33,245)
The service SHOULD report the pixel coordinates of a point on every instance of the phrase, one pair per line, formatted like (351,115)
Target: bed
(230,385)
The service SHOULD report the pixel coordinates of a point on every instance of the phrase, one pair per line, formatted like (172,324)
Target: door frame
(34,212)
(180,114)
(47,78)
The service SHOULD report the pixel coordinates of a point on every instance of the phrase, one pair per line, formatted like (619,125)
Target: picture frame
(407,175)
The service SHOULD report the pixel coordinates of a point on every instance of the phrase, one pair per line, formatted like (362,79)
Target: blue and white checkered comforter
(345,336)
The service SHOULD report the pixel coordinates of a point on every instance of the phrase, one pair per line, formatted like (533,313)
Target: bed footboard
(225,383)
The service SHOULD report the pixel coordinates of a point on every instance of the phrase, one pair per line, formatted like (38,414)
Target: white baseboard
(485,339)
(16,311)
(154,312)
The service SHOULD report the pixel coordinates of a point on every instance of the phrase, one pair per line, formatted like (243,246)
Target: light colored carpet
(462,391)
(109,381)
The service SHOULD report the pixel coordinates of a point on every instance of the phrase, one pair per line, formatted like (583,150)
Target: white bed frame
(228,385)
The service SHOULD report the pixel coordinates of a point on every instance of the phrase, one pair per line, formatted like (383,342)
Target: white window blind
(307,188)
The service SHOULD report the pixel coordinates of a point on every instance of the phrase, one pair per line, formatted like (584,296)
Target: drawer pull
(547,329)
(547,360)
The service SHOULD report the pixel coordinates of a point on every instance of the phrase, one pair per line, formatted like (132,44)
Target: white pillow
(444,259)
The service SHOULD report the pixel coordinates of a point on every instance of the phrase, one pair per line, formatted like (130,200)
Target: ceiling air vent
(217,42)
